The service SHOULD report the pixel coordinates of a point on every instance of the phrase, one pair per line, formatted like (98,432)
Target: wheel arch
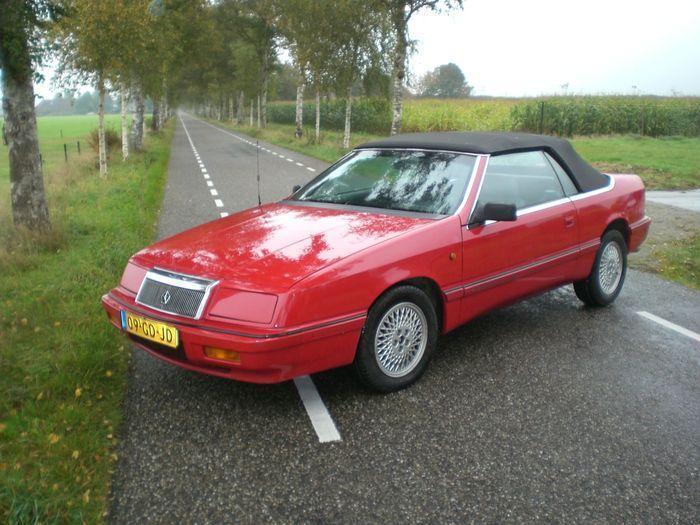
(622,226)
(431,289)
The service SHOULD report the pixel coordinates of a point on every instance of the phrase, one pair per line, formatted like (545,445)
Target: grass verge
(62,366)
(668,163)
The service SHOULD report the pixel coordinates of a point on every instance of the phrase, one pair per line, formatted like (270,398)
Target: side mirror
(492,211)
(296,188)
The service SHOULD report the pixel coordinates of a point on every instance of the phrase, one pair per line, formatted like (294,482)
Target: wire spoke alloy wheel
(610,268)
(400,339)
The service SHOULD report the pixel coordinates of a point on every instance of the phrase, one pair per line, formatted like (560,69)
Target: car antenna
(257,162)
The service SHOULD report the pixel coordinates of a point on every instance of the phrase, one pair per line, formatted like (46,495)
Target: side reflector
(223,354)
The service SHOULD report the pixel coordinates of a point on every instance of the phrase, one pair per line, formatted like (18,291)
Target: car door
(506,261)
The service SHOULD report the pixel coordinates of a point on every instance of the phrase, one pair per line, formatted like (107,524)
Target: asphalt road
(544,411)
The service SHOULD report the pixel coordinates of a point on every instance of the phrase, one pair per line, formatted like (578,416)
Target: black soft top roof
(587,178)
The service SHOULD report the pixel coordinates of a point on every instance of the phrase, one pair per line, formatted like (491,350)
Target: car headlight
(133,277)
(239,305)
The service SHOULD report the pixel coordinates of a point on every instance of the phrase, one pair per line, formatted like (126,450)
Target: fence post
(541,117)
(79,148)
(41,160)
(65,151)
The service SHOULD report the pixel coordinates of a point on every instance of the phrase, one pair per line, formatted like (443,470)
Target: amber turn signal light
(223,354)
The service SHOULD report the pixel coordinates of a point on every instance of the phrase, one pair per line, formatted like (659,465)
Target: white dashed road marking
(318,413)
(301,165)
(671,326)
(218,202)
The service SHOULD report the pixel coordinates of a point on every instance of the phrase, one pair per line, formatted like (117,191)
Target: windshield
(421,181)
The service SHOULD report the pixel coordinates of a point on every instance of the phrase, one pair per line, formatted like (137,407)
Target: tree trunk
(230,108)
(399,70)
(318,115)
(122,114)
(102,143)
(155,116)
(299,114)
(263,105)
(251,113)
(138,122)
(348,110)
(263,95)
(259,110)
(27,196)
(239,109)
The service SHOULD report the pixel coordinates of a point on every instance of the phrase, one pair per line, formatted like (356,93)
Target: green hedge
(370,115)
(600,115)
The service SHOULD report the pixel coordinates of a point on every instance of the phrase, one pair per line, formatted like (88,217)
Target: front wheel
(605,281)
(399,337)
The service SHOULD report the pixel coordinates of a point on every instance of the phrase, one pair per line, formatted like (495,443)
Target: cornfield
(567,116)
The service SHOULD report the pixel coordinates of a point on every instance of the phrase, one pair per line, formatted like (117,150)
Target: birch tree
(400,13)
(20,36)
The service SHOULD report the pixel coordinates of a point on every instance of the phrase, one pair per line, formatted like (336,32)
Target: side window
(569,186)
(524,179)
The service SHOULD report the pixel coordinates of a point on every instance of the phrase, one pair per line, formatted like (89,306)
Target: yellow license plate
(160,333)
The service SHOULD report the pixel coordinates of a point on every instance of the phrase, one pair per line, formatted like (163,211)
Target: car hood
(273,246)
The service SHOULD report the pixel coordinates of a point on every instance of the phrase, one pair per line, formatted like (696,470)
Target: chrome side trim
(492,279)
(508,274)
(470,184)
(428,150)
(604,189)
(478,190)
(543,206)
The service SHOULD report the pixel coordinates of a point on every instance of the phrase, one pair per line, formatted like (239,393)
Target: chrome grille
(174,293)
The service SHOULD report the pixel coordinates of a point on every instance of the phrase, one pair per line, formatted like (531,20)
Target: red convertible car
(399,241)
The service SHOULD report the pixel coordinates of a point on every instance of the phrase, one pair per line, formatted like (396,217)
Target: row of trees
(338,48)
(216,55)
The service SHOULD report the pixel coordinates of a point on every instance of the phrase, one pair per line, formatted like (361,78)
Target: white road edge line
(219,203)
(214,193)
(318,413)
(310,169)
(224,214)
(671,326)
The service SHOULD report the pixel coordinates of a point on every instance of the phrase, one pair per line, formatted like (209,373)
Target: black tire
(366,362)
(590,290)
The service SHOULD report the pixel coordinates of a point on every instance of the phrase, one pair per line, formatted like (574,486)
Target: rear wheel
(398,340)
(605,281)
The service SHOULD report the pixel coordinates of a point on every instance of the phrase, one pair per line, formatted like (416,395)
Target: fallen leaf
(108,373)
(24,321)
(75,454)
(78,392)
(3,426)
(86,496)
(53,439)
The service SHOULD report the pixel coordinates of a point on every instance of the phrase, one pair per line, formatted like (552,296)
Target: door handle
(569,221)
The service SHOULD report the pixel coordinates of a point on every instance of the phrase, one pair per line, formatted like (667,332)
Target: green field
(62,366)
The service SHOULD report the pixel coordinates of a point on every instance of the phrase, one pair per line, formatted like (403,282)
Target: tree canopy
(445,81)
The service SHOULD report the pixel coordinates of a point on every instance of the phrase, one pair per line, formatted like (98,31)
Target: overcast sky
(513,47)
(516,47)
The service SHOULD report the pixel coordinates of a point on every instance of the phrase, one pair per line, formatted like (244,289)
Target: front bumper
(264,358)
